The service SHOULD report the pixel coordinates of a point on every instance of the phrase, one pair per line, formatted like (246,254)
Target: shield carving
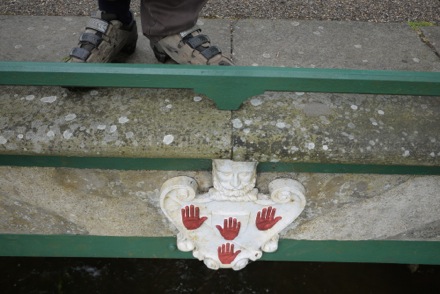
(232,223)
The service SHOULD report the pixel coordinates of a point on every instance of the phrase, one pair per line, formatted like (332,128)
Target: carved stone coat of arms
(232,223)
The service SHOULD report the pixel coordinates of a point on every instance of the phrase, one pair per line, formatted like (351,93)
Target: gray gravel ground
(359,10)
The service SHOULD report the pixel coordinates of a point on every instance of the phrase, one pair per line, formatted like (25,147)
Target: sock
(120,8)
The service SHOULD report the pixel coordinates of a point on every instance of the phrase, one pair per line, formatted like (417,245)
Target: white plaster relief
(232,223)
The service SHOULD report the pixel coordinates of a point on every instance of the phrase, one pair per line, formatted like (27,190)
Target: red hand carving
(226,253)
(230,229)
(191,217)
(266,218)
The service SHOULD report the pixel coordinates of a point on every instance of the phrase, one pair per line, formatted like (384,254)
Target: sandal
(189,47)
(103,38)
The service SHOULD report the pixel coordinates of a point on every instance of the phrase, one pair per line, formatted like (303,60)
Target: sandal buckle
(189,31)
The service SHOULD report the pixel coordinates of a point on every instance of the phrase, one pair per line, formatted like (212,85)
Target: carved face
(234,177)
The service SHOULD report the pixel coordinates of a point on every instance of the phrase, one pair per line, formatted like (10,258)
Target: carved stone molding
(232,223)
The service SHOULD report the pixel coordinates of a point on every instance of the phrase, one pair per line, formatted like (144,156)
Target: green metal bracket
(227,86)
(127,163)
(409,252)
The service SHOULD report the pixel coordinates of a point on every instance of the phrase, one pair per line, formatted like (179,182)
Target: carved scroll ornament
(232,223)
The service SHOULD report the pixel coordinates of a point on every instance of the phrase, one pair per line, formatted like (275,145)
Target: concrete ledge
(331,44)
(337,128)
(126,203)
(432,35)
(112,122)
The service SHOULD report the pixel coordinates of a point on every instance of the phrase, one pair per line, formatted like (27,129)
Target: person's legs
(109,31)
(170,26)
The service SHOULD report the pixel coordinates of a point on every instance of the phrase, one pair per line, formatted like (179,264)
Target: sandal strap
(90,38)
(196,41)
(97,25)
(80,53)
(210,52)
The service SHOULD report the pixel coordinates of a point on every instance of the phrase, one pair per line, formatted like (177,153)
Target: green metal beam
(409,252)
(227,86)
(309,167)
(127,163)
(118,163)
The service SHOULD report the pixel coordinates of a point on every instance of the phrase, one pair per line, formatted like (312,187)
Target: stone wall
(126,203)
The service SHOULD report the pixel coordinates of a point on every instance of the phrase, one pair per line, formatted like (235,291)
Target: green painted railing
(227,86)
(128,163)
(409,252)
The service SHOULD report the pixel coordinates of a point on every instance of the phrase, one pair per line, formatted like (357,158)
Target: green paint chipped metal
(409,252)
(227,86)
(124,163)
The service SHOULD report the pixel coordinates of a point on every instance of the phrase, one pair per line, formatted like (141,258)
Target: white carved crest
(232,223)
